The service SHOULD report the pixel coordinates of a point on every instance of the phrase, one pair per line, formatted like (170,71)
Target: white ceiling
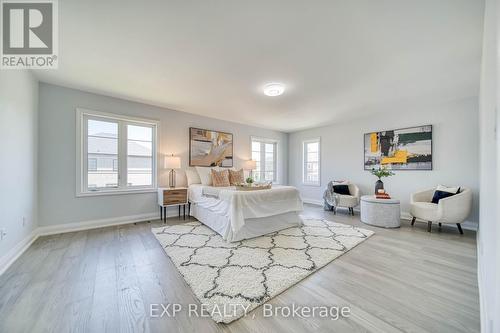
(338,58)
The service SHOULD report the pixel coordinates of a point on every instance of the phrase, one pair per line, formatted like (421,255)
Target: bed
(237,215)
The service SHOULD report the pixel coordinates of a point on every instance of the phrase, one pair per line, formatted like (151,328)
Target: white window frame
(81,153)
(277,174)
(304,162)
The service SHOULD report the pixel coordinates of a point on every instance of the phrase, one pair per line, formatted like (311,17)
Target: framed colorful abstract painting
(210,148)
(401,149)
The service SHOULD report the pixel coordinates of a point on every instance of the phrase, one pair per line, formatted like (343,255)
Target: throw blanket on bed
(241,205)
(331,198)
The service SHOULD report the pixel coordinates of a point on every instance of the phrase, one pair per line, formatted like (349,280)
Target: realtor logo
(29,34)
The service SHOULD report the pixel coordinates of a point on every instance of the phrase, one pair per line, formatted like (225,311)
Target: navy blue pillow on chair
(438,195)
(341,189)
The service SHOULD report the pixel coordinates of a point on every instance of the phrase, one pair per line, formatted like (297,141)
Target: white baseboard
(11,256)
(467,225)
(313,202)
(94,224)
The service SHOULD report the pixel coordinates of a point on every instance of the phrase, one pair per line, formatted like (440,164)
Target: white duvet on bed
(239,206)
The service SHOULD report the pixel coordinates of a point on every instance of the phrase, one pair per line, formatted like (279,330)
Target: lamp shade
(250,165)
(172,162)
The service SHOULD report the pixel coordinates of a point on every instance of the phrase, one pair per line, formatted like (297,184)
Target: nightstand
(172,196)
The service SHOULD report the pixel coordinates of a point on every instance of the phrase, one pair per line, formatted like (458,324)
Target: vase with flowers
(380,173)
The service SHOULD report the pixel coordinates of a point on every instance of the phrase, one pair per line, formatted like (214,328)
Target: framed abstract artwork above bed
(210,148)
(401,149)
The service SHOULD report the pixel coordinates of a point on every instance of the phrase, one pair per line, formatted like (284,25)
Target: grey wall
(455,151)
(58,203)
(489,228)
(18,156)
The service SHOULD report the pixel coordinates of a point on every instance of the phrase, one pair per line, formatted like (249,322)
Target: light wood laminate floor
(104,280)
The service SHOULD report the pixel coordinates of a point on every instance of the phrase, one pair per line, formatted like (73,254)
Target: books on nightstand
(382,196)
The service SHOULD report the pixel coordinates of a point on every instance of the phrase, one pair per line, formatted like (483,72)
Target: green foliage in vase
(382,172)
(249,180)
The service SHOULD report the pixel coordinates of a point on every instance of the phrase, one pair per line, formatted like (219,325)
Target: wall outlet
(3,234)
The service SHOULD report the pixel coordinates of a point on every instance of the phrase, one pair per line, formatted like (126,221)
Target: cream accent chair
(454,209)
(348,201)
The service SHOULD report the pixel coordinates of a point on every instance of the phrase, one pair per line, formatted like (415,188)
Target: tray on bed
(253,187)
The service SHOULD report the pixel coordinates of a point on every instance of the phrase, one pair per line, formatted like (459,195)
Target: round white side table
(380,212)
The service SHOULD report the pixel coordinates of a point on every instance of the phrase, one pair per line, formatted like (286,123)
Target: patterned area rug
(250,272)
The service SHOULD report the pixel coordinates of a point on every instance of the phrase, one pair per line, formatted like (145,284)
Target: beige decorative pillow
(236,177)
(220,178)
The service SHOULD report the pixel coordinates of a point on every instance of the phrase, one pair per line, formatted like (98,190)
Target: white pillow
(205,175)
(192,176)
(443,188)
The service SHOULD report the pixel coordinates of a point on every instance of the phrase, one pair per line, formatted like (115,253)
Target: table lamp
(172,162)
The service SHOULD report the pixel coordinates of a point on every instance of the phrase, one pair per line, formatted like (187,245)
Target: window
(311,172)
(102,147)
(139,155)
(92,164)
(264,152)
(115,153)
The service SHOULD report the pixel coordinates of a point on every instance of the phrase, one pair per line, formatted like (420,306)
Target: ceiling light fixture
(274,89)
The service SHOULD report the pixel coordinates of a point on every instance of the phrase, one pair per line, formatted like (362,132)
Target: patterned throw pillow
(236,177)
(220,178)
(443,192)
